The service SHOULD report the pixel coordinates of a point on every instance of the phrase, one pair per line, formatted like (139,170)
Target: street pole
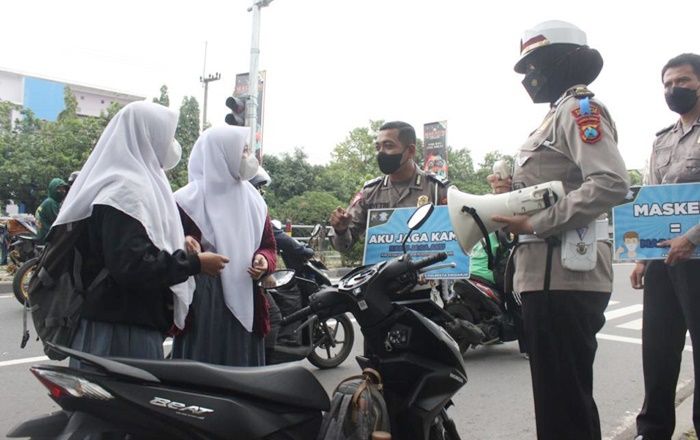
(206,81)
(252,104)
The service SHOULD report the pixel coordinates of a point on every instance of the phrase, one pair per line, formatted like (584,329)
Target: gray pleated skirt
(119,340)
(213,335)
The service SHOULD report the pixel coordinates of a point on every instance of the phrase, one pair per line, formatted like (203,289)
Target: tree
(308,208)
(36,151)
(292,175)
(163,99)
(461,168)
(186,134)
(70,105)
(636,177)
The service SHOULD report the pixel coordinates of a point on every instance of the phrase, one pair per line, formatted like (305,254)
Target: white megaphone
(471,214)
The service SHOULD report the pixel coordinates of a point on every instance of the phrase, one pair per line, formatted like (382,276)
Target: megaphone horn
(471,214)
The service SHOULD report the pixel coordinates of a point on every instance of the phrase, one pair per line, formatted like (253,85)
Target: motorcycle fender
(50,425)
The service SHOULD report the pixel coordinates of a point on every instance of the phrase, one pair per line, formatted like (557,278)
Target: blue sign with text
(386,229)
(657,213)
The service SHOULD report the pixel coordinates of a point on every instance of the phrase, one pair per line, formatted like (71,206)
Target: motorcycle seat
(286,384)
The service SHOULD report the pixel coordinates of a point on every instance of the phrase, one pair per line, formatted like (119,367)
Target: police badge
(422,200)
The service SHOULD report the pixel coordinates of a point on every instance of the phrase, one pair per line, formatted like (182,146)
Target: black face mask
(681,99)
(535,83)
(389,163)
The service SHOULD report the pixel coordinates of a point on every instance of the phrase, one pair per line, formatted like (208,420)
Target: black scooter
(324,343)
(421,366)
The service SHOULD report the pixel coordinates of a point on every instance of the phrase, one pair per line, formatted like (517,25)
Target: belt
(601,232)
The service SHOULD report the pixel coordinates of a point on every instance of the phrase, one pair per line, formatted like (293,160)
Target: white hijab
(125,171)
(229,212)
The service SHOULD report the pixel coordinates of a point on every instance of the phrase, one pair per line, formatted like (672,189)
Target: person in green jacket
(47,212)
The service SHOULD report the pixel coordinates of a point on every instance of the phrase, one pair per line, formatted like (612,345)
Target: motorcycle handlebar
(425,262)
(296,316)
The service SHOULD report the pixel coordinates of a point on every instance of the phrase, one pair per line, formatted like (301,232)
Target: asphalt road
(495,404)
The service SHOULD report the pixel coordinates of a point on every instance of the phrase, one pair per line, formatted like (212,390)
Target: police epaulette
(441,180)
(372,182)
(582,92)
(664,130)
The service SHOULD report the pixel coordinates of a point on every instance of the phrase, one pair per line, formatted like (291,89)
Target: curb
(684,416)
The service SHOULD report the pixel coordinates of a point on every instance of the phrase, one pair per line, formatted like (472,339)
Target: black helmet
(260,179)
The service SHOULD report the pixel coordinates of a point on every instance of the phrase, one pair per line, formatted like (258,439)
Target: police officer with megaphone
(563,265)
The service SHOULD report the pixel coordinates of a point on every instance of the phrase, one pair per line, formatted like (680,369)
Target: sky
(334,65)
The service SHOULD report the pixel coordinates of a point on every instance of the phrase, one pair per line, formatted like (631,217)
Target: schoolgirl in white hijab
(228,211)
(123,191)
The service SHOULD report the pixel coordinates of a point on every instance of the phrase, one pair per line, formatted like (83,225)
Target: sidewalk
(684,417)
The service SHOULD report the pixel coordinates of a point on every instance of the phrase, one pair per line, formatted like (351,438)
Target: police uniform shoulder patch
(664,130)
(439,179)
(587,116)
(582,92)
(372,182)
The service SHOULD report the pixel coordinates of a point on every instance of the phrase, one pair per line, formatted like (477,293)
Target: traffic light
(237,115)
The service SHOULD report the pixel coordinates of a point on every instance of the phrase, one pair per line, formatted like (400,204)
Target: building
(45,97)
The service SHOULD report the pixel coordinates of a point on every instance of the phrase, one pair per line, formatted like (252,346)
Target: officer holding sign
(403,185)
(672,287)
(563,264)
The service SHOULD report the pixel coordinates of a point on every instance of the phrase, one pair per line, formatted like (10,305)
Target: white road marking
(23,361)
(612,314)
(632,325)
(613,302)
(6,296)
(637,341)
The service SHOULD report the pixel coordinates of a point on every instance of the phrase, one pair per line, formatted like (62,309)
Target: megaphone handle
(471,211)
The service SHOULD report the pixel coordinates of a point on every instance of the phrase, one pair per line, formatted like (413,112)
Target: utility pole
(252,105)
(205,80)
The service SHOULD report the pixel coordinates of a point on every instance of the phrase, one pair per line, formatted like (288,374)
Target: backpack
(56,292)
(357,410)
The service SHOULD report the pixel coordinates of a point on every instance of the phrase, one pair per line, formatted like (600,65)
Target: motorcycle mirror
(277,279)
(419,216)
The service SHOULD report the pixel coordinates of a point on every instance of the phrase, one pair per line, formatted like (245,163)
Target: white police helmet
(545,34)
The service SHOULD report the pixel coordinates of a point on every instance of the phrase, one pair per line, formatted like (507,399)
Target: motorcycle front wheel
(332,344)
(20,281)
(443,428)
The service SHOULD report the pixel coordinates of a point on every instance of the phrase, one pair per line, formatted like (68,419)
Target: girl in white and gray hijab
(227,316)
(134,231)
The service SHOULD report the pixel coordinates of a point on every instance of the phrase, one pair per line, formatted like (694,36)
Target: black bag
(357,410)
(56,292)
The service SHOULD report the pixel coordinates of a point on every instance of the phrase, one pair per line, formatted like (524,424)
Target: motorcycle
(420,363)
(495,313)
(324,344)
(23,253)
(21,236)
(495,310)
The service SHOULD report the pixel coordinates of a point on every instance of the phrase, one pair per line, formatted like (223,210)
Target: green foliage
(636,177)
(308,208)
(70,104)
(186,134)
(36,151)
(292,175)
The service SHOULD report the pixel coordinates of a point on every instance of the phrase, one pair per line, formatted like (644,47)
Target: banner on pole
(435,146)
